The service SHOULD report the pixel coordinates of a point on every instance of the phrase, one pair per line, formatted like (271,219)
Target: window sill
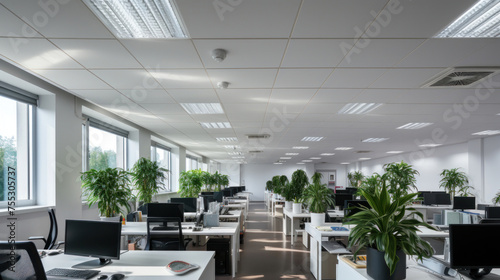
(24,210)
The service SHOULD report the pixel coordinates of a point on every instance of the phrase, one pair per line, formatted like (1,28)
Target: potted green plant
(454,180)
(190,183)
(496,199)
(147,177)
(401,178)
(109,188)
(224,180)
(355,178)
(217,180)
(317,197)
(389,232)
(299,182)
(208,180)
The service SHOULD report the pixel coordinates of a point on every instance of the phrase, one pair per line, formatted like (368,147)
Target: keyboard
(72,273)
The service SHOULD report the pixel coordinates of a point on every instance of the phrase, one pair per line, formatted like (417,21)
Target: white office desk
(238,205)
(317,236)
(225,229)
(150,265)
(290,228)
(274,202)
(427,210)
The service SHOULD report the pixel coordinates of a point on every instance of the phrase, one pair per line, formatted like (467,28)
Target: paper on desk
(324,228)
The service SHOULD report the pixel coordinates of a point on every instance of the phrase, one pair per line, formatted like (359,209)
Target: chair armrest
(37,238)
(59,244)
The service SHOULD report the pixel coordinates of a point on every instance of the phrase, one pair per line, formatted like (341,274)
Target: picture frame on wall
(331,178)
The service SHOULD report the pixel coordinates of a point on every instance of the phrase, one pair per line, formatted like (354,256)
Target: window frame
(154,146)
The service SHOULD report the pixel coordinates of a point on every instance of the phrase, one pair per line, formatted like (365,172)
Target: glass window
(163,156)
(191,163)
(16,153)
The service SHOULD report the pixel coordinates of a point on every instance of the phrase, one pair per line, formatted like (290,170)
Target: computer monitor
(463,203)
(473,246)
(166,210)
(437,198)
(352,207)
(492,212)
(207,193)
(189,203)
(340,199)
(421,194)
(218,196)
(98,239)
(227,193)
(206,201)
(490,221)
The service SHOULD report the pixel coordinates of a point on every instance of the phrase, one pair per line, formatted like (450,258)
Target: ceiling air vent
(461,77)
(257,136)
(255,151)
(363,152)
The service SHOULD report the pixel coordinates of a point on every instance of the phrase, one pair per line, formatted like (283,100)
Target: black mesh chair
(50,242)
(21,262)
(165,234)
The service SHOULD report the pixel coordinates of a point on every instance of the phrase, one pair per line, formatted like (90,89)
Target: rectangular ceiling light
(314,158)
(238,157)
(300,147)
(359,108)
(306,160)
(327,154)
(364,158)
(431,145)
(215,125)
(344,163)
(278,163)
(373,140)
(312,139)
(487,132)
(202,108)
(300,163)
(394,152)
(235,153)
(231,147)
(285,158)
(291,154)
(480,21)
(139,18)
(414,125)
(226,139)
(343,148)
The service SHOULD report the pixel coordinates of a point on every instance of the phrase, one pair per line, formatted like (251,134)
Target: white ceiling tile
(143,95)
(175,117)
(405,78)
(482,56)
(73,79)
(379,52)
(128,79)
(244,95)
(322,108)
(278,109)
(59,19)
(335,19)
(98,53)
(301,78)
(335,95)
(415,19)
(13,26)
(264,53)
(102,96)
(442,52)
(210,118)
(239,19)
(353,77)
(36,54)
(163,109)
(161,53)
(314,52)
(244,78)
(194,95)
(182,78)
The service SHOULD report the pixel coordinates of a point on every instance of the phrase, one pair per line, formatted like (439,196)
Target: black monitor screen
(166,210)
(421,194)
(99,239)
(437,198)
(341,198)
(474,246)
(218,196)
(226,193)
(207,193)
(492,212)
(460,202)
(206,200)
(352,207)
(189,203)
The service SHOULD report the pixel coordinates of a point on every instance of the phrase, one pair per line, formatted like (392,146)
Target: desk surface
(139,228)
(317,234)
(142,264)
(331,213)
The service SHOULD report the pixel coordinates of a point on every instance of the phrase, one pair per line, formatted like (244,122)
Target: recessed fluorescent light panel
(226,139)
(431,145)
(373,140)
(235,153)
(291,154)
(487,132)
(306,160)
(278,163)
(202,108)
(327,154)
(480,21)
(312,139)
(285,158)
(394,152)
(344,163)
(358,108)
(139,18)
(343,148)
(314,158)
(215,125)
(238,157)
(364,158)
(300,163)
(300,147)
(231,146)
(414,125)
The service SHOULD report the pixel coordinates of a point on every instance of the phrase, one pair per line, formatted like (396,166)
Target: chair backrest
(164,233)
(20,261)
(52,237)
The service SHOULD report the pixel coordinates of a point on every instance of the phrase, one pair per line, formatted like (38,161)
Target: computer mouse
(103,277)
(117,276)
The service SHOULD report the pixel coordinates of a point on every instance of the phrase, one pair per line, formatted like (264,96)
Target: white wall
(233,171)
(491,155)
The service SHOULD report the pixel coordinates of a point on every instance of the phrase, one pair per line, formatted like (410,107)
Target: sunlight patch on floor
(275,249)
(293,277)
(266,241)
(251,277)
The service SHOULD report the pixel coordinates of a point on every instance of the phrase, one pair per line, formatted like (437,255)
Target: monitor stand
(92,264)
(476,274)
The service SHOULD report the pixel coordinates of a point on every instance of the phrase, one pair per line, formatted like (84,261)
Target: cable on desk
(437,274)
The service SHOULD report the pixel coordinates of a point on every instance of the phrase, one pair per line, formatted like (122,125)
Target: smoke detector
(219,54)
(222,85)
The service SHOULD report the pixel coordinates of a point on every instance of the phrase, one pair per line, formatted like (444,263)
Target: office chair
(50,242)
(171,238)
(28,265)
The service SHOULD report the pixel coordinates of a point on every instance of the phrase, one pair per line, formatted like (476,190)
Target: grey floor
(267,253)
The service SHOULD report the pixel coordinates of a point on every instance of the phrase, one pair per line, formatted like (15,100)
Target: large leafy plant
(109,188)
(355,178)
(389,226)
(147,177)
(400,178)
(317,196)
(496,199)
(190,183)
(298,183)
(455,181)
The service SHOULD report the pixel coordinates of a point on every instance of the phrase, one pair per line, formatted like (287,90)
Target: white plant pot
(297,208)
(110,219)
(317,219)
(288,205)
